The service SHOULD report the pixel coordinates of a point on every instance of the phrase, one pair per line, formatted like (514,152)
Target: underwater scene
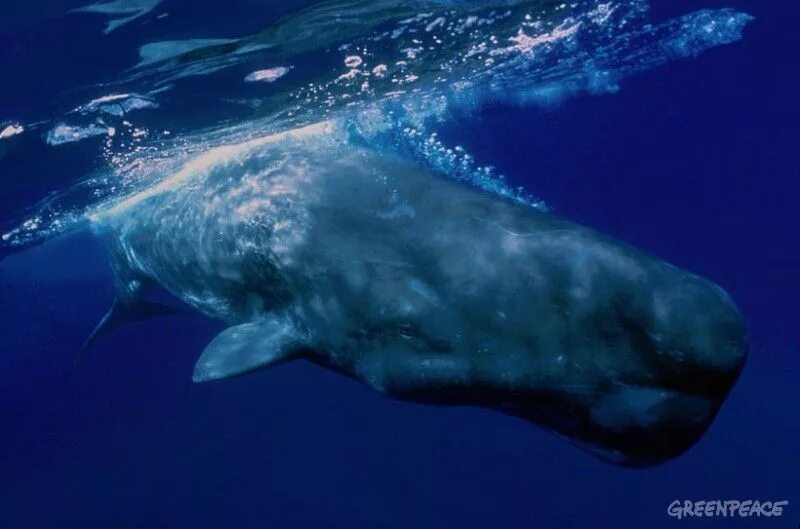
(399,264)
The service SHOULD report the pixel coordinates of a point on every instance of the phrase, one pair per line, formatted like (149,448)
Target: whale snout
(633,357)
(690,343)
(698,337)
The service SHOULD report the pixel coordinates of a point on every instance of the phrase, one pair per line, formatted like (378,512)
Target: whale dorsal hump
(243,348)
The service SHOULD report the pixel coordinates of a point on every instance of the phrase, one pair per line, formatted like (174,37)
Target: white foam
(11,130)
(353,61)
(269,75)
(526,44)
(63,133)
(117,104)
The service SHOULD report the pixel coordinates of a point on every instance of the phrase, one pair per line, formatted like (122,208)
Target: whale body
(428,290)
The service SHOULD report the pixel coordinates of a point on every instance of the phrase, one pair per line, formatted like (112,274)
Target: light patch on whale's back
(207,161)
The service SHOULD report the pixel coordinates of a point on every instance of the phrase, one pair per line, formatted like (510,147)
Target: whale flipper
(249,346)
(123,311)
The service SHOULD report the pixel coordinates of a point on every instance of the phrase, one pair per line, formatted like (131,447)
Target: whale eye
(406,330)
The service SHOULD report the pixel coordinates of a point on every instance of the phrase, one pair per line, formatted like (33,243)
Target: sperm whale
(311,248)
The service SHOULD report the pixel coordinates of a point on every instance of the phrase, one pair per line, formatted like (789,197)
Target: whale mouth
(645,422)
(652,418)
(628,425)
(646,425)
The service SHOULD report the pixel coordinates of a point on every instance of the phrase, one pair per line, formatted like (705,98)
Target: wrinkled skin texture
(430,291)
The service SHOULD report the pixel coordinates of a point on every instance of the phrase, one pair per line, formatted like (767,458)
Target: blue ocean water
(687,151)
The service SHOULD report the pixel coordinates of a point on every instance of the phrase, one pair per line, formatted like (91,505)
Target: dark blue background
(697,162)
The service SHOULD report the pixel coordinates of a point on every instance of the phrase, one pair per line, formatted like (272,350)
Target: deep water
(696,162)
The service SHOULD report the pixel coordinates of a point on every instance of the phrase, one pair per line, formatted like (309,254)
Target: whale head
(633,356)
(685,343)
(625,355)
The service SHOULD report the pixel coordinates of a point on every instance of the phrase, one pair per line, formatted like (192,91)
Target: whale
(310,247)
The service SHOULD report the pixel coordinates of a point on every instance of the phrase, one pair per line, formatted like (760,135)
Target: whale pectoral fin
(243,348)
(120,313)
